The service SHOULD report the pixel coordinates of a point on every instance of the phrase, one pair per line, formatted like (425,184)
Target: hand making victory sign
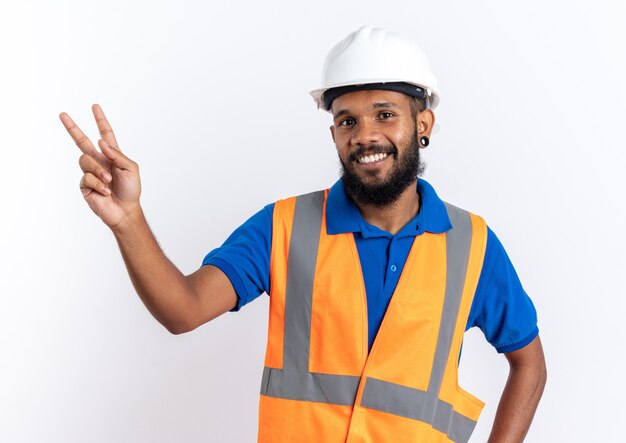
(110,184)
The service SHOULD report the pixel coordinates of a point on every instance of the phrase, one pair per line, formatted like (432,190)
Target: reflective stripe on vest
(295,382)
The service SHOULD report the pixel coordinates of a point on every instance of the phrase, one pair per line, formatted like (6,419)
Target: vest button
(394,268)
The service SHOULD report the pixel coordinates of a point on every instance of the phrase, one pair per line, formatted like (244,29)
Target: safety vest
(319,383)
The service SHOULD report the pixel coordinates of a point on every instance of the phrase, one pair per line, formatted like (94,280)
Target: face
(376,139)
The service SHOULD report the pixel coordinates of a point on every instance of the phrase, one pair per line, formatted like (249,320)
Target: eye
(385,115)
(346,122)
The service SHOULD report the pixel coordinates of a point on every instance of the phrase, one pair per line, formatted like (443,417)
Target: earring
(424,140)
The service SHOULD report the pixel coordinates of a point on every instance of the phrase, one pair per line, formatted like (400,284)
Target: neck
(394,217)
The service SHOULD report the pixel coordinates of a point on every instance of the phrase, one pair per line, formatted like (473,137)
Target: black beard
(403,174)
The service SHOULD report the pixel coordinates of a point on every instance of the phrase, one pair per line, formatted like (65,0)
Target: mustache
(373,149)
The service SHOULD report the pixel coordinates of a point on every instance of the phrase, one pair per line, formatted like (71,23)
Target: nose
(365,133)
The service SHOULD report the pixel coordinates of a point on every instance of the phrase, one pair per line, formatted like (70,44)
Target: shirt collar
(343,216)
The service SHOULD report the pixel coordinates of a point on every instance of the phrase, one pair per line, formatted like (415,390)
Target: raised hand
(110,184)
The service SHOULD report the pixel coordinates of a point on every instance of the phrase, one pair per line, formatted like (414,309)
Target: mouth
(372,158)
(372,155)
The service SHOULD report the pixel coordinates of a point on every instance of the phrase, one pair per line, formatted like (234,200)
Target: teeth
(372,158)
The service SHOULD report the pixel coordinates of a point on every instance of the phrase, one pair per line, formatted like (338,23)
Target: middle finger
(79,137)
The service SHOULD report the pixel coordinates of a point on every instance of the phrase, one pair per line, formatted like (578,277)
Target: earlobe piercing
(424,140)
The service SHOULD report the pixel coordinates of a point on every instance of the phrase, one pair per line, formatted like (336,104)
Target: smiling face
(376,139)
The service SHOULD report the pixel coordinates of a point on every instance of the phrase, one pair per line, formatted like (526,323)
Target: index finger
(78,136)
(104,127)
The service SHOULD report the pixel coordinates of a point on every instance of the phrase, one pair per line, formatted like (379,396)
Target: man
(372,283)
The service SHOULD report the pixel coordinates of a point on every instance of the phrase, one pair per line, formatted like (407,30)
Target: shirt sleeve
(501,308)
(245,257)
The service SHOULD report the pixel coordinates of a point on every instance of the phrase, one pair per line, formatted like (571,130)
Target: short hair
(416,104)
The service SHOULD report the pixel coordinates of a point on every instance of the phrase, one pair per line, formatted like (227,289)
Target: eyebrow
(376,105)
(385,105)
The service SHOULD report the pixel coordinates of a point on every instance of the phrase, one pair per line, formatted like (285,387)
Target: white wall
(211,100)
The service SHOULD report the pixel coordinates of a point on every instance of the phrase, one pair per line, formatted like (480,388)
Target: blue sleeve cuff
(233,276)
(245,257)
(501,308)
(520,344)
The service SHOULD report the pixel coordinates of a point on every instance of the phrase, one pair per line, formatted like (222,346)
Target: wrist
(133,218)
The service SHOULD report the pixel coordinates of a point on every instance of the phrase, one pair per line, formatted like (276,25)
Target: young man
(372,282)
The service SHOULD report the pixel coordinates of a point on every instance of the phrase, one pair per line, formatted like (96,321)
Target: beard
(404,172)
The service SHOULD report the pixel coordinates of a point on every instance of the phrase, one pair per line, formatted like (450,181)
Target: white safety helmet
(371,56)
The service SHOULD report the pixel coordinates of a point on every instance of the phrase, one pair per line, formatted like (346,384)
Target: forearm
(160,285)
(518,403)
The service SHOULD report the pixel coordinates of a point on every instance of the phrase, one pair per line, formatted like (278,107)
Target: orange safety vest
(319,383)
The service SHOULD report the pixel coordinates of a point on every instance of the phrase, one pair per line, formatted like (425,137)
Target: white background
(211,100)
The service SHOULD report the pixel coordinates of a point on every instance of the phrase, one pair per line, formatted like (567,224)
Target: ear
(425,122)
(332,132)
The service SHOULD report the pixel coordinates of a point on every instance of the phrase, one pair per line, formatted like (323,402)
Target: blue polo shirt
(501,308)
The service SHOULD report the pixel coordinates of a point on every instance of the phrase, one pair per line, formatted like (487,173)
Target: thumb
(116,156)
